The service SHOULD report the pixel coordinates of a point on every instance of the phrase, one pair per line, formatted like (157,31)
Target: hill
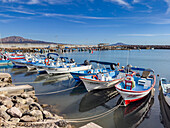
(117,44)
(18,39)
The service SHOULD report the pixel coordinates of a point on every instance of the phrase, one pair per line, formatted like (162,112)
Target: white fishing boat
(136,87)
(164,101)
(102,80)
(101,67)
(165,86)
(66,68)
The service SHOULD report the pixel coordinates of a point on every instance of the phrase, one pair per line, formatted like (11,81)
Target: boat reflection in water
(165,109)
(133,114)
(18,71)
(96,98)
(50,79)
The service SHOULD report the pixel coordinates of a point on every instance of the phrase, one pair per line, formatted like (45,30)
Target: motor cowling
(112,67)
(72,60)
(86,62)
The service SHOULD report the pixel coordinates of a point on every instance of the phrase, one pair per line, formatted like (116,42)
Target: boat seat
(141,82)
(147,84)
(145,74)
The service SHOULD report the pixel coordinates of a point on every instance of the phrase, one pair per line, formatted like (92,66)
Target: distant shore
(86,48)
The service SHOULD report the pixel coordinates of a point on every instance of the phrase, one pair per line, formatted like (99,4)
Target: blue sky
(87,21)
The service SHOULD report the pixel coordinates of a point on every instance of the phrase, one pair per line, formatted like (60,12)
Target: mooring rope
(87,119)
(54,92)
(79,120)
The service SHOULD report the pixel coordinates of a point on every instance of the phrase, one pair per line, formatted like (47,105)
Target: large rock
(35,98)
(14,112)
(47,114)
(3,108)
(2,97)
(61,123)
(25,95)
(28,118)
(34,104)
(20,100)
(14,120)
(8,103)
(5,77)
(29,100)
(4,115)
(23,107)
(37,113)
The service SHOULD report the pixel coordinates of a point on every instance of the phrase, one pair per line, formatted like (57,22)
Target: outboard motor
(128,68)
(72,60)
(112,66)
(63,60)
(86,62)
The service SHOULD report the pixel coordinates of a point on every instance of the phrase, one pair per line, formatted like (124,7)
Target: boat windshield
(164,81)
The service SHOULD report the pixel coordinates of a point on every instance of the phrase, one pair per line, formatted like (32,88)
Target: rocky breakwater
(19,108)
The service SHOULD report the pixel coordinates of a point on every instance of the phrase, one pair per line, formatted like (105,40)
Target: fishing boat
(29,61)
(102,80)
(66,68)
(56,62)
(100,68)
(136,87)
(164,99)
(14,56)
(165,86)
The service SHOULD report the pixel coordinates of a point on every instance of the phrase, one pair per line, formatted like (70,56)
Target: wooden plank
(91,125)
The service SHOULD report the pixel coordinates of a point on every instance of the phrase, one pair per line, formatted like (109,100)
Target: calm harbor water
(78,103)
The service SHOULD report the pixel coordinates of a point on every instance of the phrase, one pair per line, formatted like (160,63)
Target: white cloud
(38,1)
(91,0)
(5,15)
(168,3)
(5,21)
(34,2)
(57,1)
(21,11)
(75,16)
(160,21)
(6,1)
(121,2)
(136,1)
(144,35)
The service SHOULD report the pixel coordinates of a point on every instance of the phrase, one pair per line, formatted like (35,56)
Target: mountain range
(18,39)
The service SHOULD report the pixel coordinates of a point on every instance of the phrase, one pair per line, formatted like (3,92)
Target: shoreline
(19,107)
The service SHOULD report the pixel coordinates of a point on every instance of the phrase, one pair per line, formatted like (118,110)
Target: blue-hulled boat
(136,87)
(95,71)
(165,90)
(164,99)
(4,61)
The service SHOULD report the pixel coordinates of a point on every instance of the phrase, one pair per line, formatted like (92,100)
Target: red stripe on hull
(17,58)
(129,101)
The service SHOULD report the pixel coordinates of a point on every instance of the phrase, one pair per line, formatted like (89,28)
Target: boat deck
(139,87)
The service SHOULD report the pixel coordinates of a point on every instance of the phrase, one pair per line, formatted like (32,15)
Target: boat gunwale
(124,90)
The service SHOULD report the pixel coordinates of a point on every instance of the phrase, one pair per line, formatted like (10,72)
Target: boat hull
(93,85)
(66,70)
(5,63)
(19,64)
(132,95)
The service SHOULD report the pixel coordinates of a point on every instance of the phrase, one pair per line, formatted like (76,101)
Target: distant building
(27,45)
(103,44)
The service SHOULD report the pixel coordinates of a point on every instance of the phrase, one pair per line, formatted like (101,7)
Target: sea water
(77,103)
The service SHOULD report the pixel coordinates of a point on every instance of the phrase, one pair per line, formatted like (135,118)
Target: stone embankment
(20,108)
